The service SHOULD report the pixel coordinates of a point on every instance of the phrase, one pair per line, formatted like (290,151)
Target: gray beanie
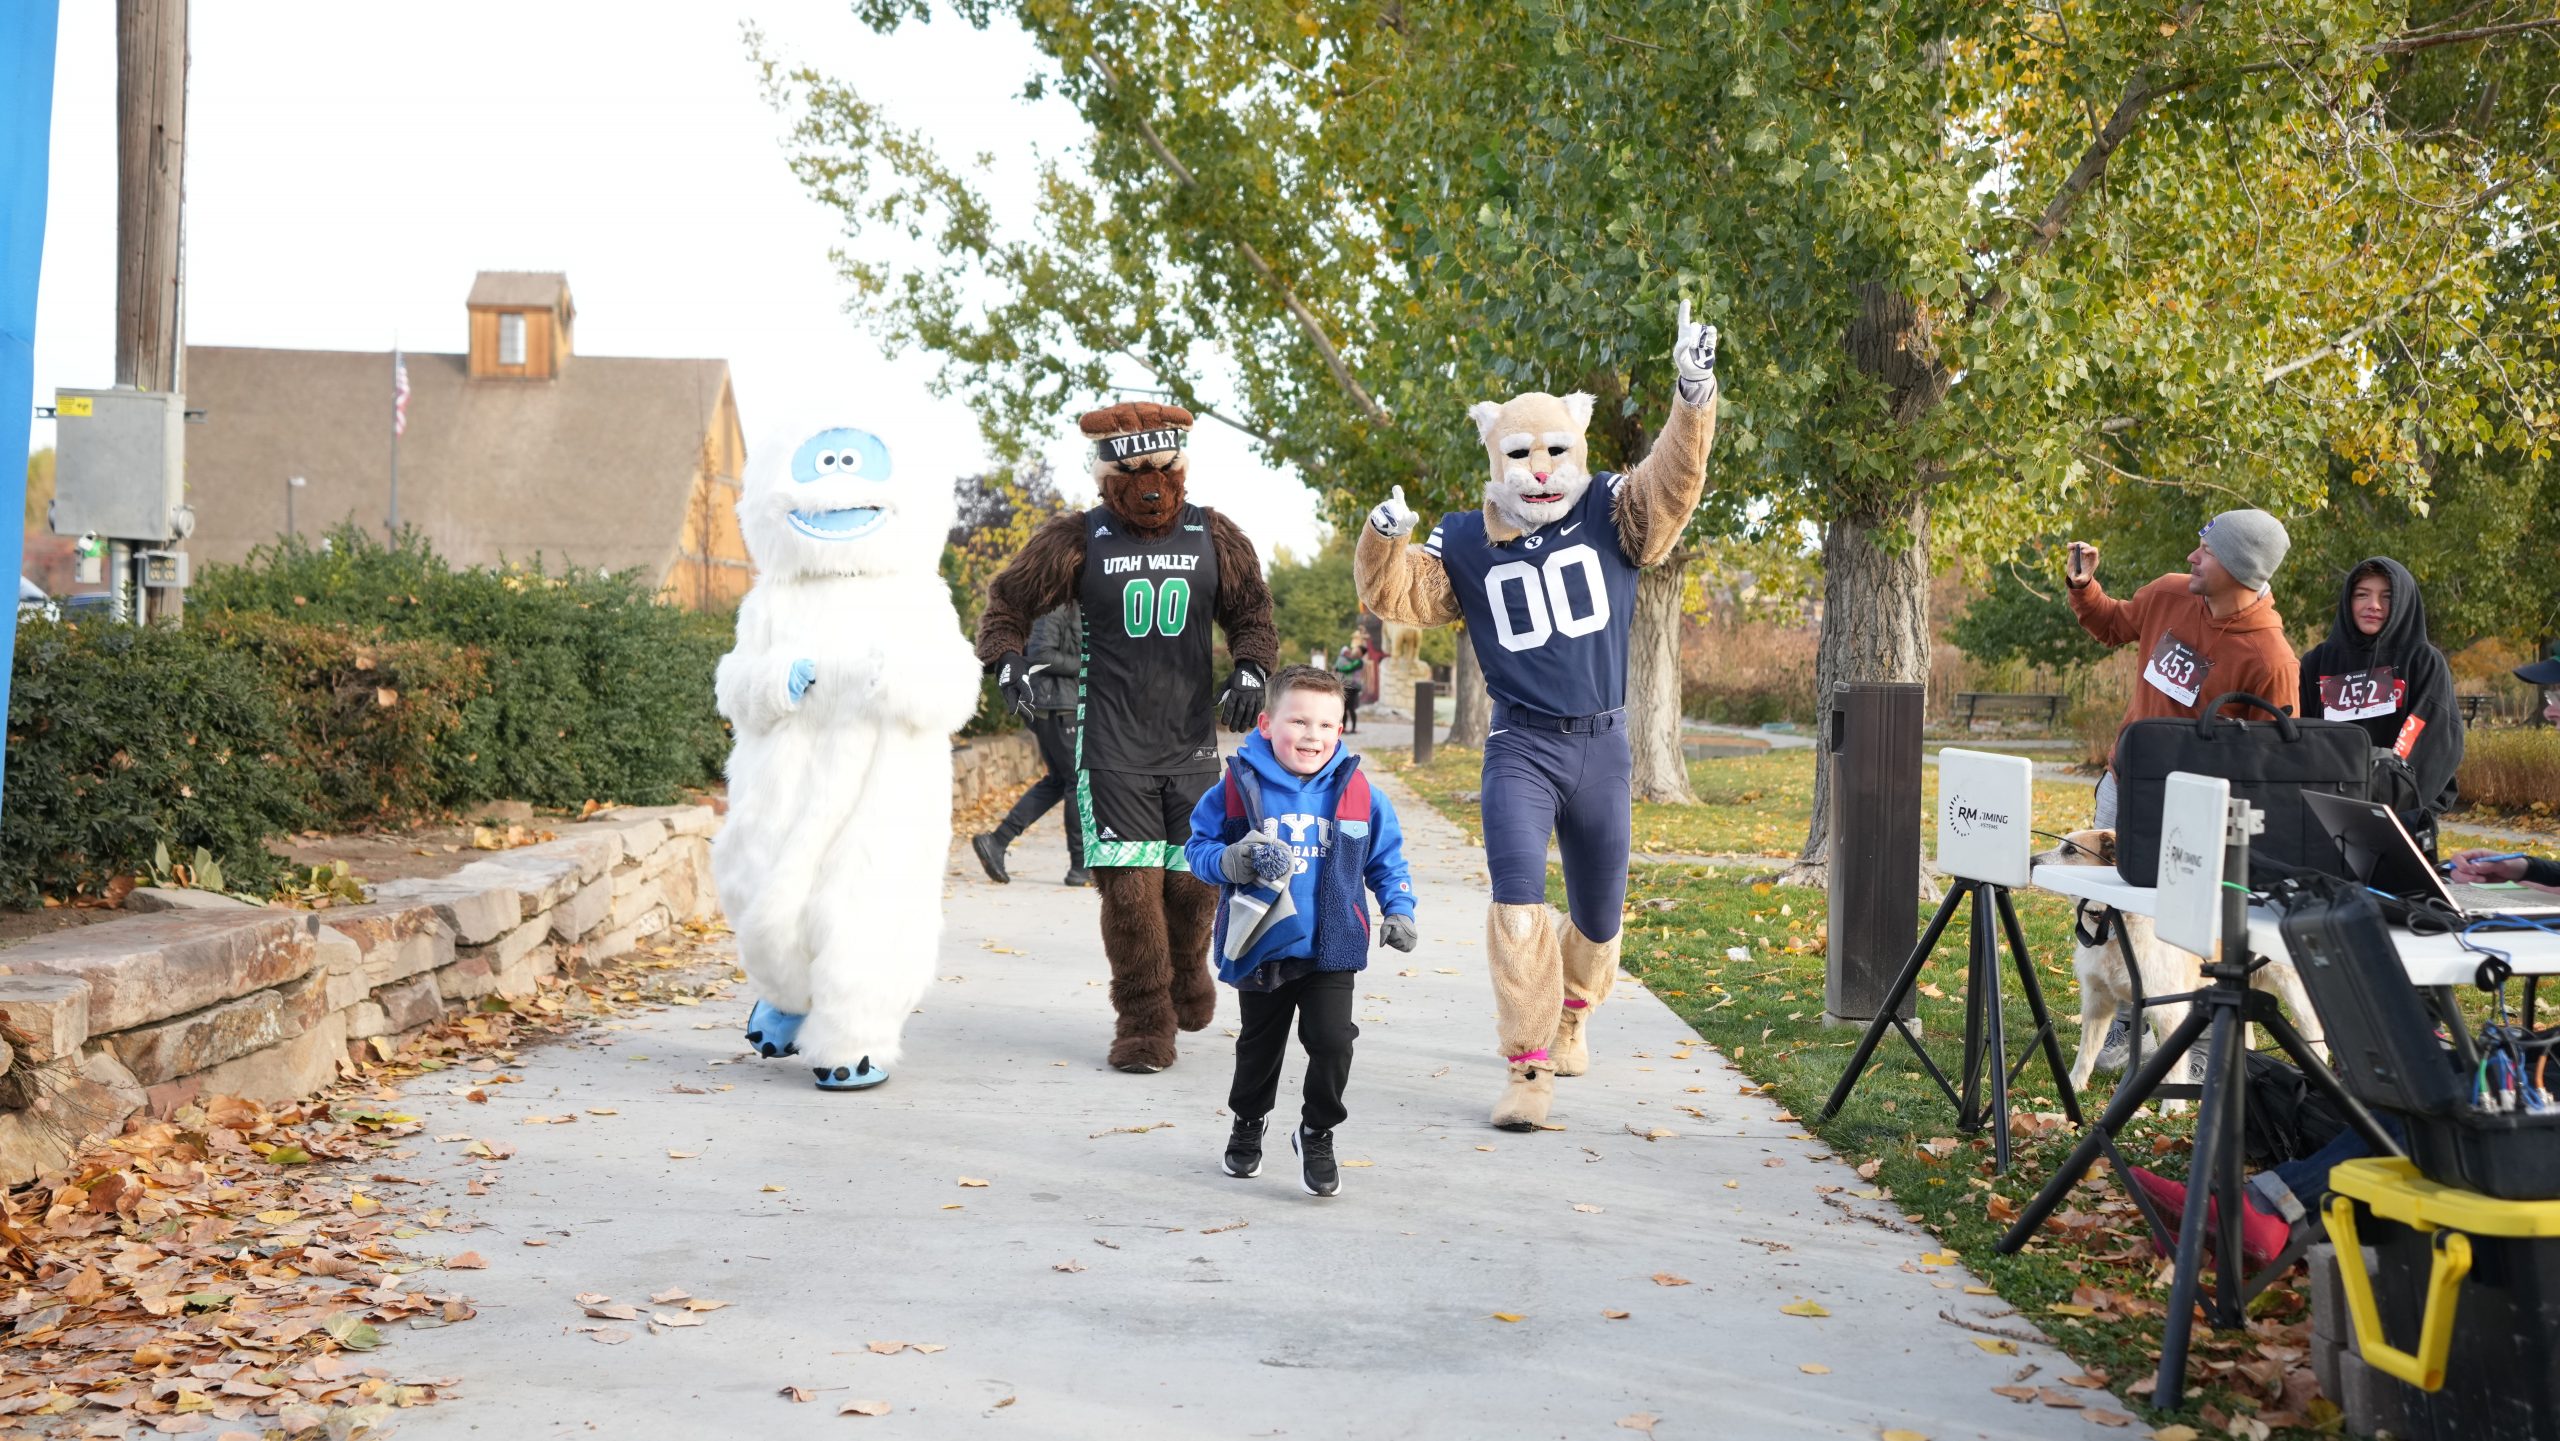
(2249,543)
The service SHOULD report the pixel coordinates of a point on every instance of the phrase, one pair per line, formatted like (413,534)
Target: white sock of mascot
(849,677)
(1544,575)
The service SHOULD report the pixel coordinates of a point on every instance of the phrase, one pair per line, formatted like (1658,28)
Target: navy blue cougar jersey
(1549,610)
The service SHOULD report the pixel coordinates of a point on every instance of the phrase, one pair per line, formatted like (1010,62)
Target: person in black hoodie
(2378,669)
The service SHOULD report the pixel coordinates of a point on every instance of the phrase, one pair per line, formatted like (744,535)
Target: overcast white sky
(352,166)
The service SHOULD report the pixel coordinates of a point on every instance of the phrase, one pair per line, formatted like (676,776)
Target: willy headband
(1144,442)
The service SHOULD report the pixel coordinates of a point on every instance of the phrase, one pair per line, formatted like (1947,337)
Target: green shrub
(597,690)
(122,738)
(2510,770)
(372,718)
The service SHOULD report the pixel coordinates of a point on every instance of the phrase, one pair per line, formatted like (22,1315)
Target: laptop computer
(2380,852)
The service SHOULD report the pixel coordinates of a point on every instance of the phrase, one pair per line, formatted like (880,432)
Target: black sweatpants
(1055,730)
(1322,1003)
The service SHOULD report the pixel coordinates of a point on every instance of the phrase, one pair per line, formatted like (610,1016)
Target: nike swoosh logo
(1570,529)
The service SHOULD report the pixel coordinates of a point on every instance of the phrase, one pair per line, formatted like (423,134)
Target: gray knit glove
(1258,857)
(1399,933)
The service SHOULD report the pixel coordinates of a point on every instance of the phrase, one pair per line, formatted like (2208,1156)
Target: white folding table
(2436,960)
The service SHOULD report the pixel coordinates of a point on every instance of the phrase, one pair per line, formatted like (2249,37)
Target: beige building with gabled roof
(515,449)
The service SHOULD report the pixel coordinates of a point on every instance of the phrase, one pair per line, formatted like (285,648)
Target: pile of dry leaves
(228,1270)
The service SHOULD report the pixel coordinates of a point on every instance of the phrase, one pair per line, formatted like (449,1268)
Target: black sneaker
(1244,1148)
(991,855)
(1316,1169)
(1078,877)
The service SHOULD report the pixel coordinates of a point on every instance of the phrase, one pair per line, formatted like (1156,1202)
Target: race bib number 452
(2361,695)
(2176,671)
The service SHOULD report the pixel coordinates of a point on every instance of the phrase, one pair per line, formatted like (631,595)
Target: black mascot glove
(1013,680)
(1241,702)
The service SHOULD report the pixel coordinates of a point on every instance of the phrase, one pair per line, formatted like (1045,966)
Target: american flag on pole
(399,393)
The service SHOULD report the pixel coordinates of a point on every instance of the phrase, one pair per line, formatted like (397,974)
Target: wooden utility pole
(151,163)
(151,131)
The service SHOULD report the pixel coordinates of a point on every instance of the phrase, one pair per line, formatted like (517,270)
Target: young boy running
(1290,833)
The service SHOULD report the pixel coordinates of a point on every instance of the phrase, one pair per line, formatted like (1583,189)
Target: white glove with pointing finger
(1392,517)
(1693,354)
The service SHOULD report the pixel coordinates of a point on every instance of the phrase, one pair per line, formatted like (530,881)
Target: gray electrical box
(120,461)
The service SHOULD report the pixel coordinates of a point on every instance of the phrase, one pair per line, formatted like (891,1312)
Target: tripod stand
(1985,1037)
(2218,1015)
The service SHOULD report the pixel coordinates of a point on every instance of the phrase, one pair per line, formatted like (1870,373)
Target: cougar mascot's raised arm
(849,677)
(1544,575)
(1150,571)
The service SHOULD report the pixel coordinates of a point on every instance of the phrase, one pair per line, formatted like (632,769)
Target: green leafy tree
(1973,262)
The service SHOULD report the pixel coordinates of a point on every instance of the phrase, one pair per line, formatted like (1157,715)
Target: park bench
(1992,705)
(2477,707)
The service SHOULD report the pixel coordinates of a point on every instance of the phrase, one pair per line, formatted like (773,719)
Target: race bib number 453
(2176,671)
(2361,695)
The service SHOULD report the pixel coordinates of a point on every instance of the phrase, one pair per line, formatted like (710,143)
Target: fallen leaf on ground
(1067,1265)
(2059,1399)
(1616,1315)
(602,1111)
(971,1181)
(2015,1393)
(682,1155)
(1803,1308)
(2174,1433)
(670,1296)
(1903,1436)
(1996,1346)
(591,1298)
(926,1348)
(863,1408)
(1359,1163)
(1643,1421)
(887,1348)
(674,1318)
(1507,1316)
(1980,1291)
(614,1313)
(1814,1368)
(1586,1208)
(1937,1258)
(606,1335)
(2086,1382)
(1665,1278)
(2110,1418)
(467,1261)
(798,1393)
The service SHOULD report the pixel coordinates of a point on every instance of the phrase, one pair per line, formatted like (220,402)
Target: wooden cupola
(520,323)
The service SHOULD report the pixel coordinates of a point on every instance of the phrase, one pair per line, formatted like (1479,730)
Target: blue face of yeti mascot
(819,501)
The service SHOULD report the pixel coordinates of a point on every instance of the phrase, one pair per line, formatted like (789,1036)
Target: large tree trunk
(1653,686)
(1875,627)
(1472,716)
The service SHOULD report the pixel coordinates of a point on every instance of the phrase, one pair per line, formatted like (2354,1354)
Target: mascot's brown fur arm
(1044,575)
(1244,597)
(1399,582)
(1654,502)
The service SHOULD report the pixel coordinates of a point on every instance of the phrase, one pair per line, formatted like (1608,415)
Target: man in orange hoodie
(2207,633)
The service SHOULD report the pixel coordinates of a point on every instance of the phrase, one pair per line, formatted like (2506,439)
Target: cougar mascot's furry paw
(1544,575)
(1151,572)
(850,675)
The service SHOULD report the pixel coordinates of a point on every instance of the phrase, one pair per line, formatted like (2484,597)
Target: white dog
(2106,988)
(849,677)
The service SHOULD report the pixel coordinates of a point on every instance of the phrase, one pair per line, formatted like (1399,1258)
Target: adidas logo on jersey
(1100,531)
(1109,834)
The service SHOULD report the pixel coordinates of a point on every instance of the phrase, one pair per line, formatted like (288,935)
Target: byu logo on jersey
(1298,825)
(1534,541)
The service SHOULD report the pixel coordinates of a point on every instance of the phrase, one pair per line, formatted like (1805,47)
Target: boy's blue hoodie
(1305,806)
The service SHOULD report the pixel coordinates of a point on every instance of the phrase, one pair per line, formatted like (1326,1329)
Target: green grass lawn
(2090,1281)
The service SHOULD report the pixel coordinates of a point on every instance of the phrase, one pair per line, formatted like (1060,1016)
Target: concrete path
(1106,1281)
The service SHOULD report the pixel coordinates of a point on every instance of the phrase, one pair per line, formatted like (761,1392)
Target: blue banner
(26,133)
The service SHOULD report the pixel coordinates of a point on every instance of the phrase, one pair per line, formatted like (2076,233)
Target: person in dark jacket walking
(2378,669)
(1291,833)
(1058,653)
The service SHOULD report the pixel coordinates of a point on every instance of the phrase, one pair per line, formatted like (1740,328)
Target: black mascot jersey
(1150,694)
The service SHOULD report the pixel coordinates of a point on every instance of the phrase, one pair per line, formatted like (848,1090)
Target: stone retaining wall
(990,765)
(213,997)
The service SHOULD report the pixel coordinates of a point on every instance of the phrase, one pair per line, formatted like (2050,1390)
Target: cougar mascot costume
(850,675)
(1545,578)
(1150,571)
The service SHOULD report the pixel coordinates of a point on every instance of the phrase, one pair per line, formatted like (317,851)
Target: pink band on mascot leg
(1539,1054)
(1575,1004)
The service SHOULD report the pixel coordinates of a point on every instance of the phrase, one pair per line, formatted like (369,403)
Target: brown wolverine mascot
(1151,571)
(1544,575)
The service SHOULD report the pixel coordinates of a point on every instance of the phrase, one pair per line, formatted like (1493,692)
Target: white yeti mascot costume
(850,675)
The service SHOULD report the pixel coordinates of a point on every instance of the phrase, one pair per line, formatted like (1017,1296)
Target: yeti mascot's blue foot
(773,1032)
(860,1076)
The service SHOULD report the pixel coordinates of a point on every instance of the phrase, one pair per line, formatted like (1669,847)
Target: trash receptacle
(1872,730)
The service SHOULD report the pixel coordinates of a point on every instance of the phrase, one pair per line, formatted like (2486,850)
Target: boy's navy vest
(1342,902)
